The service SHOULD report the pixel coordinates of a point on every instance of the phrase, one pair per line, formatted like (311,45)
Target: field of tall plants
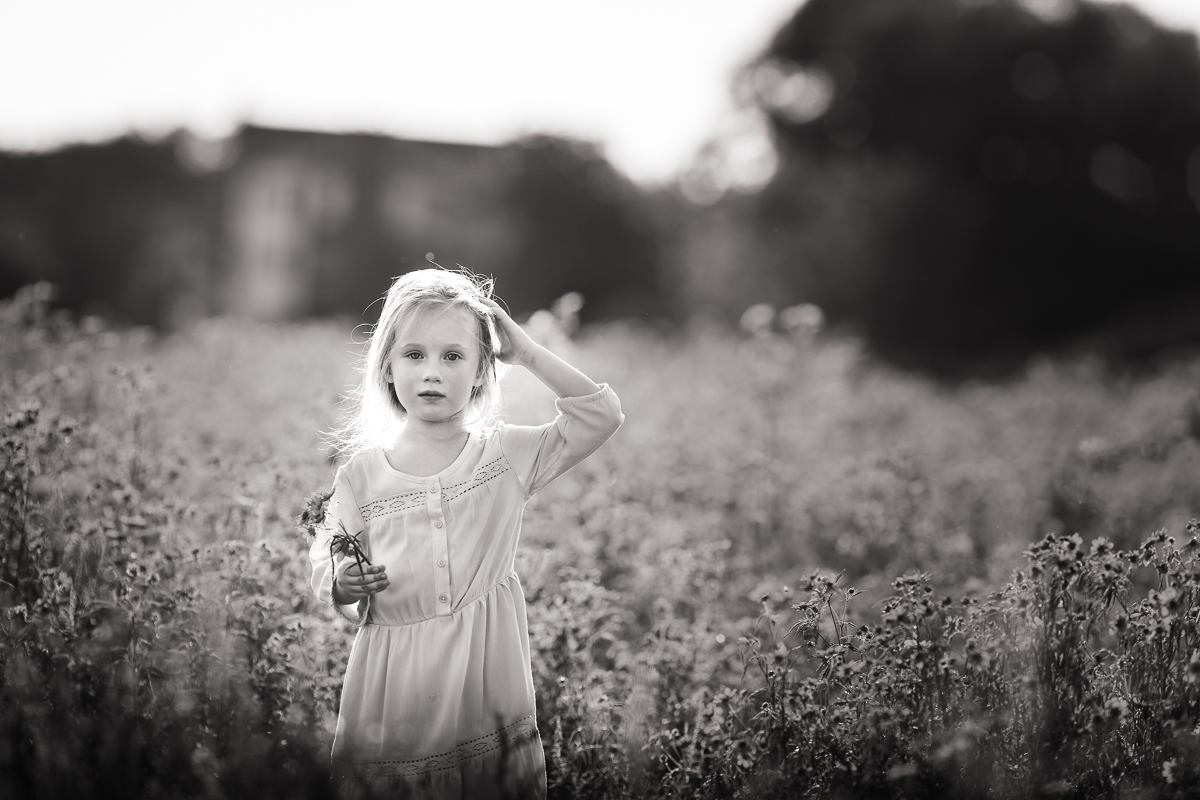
(794,572)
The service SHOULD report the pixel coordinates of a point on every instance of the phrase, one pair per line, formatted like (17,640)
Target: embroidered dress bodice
(431,572)
(439,679)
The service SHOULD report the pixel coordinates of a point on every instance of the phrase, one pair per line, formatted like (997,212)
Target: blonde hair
(375,413)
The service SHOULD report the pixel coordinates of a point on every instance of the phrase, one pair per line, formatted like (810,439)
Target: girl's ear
(387,374)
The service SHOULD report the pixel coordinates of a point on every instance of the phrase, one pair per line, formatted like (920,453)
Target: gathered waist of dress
(512,577)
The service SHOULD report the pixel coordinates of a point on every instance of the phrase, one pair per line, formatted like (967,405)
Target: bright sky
(647,79)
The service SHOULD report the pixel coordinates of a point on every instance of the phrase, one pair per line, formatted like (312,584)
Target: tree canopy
(1014,181)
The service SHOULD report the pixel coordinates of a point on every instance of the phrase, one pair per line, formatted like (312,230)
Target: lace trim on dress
(390,505)
(403,502)
(493,469)
(517,733)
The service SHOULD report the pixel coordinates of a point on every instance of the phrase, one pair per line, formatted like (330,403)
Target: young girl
(438,694)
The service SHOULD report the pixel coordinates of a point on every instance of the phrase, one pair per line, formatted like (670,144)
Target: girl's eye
(453,357)
(412,355)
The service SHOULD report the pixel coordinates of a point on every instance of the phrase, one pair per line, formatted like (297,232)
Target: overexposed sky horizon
(648,80)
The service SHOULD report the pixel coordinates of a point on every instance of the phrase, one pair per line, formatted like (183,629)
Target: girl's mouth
(431,395)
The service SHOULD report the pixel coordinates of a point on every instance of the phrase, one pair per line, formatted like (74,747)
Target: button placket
(441,549)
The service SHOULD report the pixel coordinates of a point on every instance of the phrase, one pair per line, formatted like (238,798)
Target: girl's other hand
(354,583)
(515,344)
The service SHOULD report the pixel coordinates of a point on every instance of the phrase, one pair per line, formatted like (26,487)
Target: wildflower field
(794,572)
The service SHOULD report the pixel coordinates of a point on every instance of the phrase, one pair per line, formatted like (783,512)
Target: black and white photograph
(467,400)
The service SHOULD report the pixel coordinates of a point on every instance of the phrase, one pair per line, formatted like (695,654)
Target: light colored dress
(438,694)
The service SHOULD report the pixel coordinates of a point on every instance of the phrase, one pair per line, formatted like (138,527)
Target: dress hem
(511,736)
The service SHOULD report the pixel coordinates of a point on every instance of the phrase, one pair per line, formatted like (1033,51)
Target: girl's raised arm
(517,348)
(588,414)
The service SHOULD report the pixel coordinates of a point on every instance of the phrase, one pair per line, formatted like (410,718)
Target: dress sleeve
(540,454)
(343,510)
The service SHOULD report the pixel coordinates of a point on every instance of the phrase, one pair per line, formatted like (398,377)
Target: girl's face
(435,364)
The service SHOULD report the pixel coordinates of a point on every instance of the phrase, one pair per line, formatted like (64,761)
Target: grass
(795,571)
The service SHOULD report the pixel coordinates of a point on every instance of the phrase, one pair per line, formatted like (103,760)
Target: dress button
(433,490)
(437,524)
(442,598)
(441,562)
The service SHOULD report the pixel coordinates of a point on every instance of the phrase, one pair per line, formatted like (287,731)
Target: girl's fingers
(371,583)
(367,591)
(356,593)
(366,571)
(501,314)
(362,581)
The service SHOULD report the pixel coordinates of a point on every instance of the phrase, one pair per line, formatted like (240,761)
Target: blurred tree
(970,179)
(119,228)
(584,228)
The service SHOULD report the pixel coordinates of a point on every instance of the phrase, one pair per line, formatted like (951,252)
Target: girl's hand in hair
(515,346)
